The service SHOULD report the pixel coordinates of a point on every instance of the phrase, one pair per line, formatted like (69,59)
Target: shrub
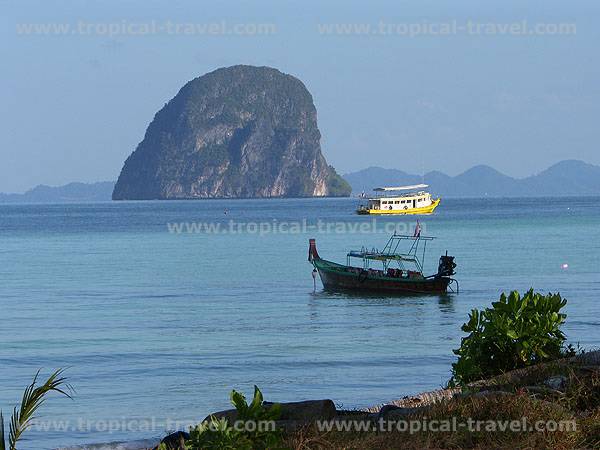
(516,332)
(218,434)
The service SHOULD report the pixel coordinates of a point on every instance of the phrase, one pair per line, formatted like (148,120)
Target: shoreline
(405,407)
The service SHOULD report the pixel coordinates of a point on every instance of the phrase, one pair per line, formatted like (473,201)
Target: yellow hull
(426,210)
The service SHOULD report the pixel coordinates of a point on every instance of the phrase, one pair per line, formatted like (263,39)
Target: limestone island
(237,132)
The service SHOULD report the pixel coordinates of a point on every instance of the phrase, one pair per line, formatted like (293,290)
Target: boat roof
(378,256)
(390,252)
(401,188)
(396,196)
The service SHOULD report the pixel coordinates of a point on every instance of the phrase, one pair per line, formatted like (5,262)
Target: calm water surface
(156,325)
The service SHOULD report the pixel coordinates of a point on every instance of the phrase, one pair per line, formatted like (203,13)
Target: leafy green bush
(255,427)
(216,434)
(516,332)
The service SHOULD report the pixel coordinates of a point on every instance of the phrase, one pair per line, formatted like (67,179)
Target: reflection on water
(354,298)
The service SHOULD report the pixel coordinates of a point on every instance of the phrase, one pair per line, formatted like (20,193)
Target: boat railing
(382,256)
(391,253)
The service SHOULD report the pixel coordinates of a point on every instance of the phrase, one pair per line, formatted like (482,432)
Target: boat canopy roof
(401,188)
(378,256)
(390,251)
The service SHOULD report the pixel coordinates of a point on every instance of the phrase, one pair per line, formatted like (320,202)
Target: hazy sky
(76,103)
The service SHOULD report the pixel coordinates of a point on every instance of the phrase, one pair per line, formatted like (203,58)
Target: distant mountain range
(567,178)
(69,193)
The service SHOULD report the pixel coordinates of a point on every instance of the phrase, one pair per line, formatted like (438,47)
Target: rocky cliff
(240,131)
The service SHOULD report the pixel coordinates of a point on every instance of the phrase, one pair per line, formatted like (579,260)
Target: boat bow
(312,250)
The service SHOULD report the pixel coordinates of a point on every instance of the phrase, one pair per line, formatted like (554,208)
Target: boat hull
(412,211)
(338,277)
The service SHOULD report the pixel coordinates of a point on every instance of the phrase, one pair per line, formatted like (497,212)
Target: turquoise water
(154,325)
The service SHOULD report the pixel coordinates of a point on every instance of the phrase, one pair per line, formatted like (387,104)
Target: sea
(157,310)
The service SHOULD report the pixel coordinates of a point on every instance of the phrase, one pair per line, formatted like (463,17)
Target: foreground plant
(516,332)
(33,397)
(253,429)
(217,434)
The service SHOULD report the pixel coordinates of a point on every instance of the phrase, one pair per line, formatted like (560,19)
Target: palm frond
(2,442)
(33,397)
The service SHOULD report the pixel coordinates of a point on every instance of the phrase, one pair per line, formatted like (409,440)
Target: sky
(413,85)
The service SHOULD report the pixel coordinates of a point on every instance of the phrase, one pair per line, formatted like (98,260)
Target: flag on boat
(417,230)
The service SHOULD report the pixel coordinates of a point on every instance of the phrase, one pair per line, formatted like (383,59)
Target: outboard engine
(447,266)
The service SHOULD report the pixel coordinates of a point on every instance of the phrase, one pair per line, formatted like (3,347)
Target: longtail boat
(399,272)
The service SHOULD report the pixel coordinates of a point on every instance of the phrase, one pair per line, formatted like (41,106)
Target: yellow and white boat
(414,200)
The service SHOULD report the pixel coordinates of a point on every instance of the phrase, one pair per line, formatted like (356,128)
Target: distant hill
(69,193)
(567,178)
